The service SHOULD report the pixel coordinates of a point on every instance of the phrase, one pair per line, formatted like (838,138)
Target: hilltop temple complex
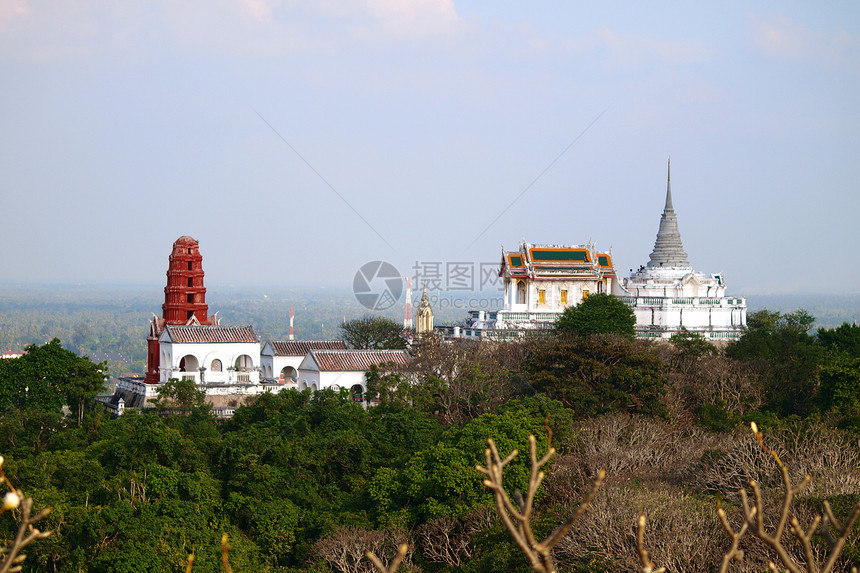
(666,294)
(227,362)
(540,281)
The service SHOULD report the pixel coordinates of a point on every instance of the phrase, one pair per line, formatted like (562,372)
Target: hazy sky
(124,125)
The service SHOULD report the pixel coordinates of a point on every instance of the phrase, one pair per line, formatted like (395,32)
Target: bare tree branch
(27,534)
(754,522)
(647,565)
(395,563)
(517,519)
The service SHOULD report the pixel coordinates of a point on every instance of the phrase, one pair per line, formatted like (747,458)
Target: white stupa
(666,294)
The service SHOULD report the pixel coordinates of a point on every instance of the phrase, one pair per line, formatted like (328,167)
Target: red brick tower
(184,298)
(185,295)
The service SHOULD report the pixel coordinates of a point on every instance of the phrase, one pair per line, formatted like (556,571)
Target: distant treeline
(103,322)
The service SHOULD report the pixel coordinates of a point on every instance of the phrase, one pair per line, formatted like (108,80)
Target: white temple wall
(696,318)
(693,317)
(575,293)
(576,290)
(273,365)
(205,354)
(317,380)
(308,379)
(532,296)
(344,380)
(511,299)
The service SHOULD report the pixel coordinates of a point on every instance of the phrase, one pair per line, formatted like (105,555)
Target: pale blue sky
(125,125)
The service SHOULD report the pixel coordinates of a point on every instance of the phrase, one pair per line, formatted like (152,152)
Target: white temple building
(209,354)
(227,362)
(540,282)
(337,369)
(280,359)
(667,295)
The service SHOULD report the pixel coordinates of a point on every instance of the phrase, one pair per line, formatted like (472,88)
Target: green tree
(180,396)
(308,454)
(600,313)
(46,378)
(840,385)
(389,387)
(441,480)
(691,344)
(596,375)
(779,348)
(83,382)
(373,333)
(843,338)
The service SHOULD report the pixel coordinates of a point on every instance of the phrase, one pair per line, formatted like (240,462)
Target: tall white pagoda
(666,294)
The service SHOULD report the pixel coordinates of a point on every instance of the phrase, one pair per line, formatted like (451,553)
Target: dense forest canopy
(308,482)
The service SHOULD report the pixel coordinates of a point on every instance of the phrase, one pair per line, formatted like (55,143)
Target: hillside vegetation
(309,482)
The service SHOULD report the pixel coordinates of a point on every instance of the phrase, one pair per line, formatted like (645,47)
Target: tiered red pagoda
(184,298)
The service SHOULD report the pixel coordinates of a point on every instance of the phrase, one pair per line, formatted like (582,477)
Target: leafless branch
(517,518)
(647,565)
(395,563)
(755,523)
(13,559)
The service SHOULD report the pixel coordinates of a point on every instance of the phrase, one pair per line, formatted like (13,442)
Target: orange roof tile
(357,360)
(208,333)
(302,347)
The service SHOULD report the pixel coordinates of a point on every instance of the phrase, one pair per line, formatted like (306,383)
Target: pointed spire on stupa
(668,251)
(669,206)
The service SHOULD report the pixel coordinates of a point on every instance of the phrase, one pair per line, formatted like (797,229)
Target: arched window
(244,363)
(357,393)
(189,363)
(288,375)
(521,292)
(216,366)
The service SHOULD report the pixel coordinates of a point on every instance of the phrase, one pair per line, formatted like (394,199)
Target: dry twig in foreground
(517,519)
(644,559)
(12,558)
(395,563)
(754,522)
